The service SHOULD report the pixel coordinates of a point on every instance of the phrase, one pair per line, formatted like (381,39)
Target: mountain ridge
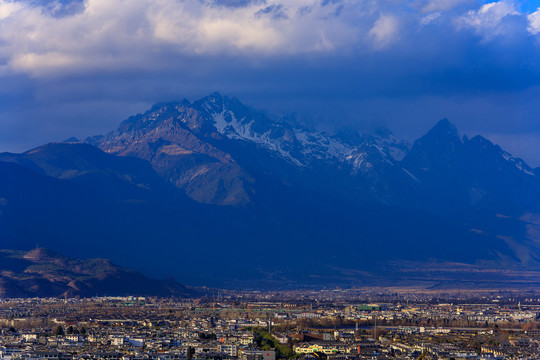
(43,273)
(240,197)
(185,140)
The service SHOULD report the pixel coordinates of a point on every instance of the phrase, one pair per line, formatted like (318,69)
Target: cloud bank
(107,35)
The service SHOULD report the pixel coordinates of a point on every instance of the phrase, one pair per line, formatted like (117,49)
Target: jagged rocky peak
(438,145)
(221,117)
(235,120)
(444,130)
(213,103)
(380,142)
(213,113)
(469,171)
(481,145)
(441,140)
(186,128)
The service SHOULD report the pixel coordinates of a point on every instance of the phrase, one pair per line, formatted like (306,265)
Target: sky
(78,68)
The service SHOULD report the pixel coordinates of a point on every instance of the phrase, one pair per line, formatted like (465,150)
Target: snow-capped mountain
(299,145)
(254,183)
(192,136)
(216,116)
(215,147)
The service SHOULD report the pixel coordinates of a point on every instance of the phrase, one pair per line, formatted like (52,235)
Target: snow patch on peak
(221,125)
(518,163)
(360,163)
(302,146)
(390,146)
(228,125)
(322,146)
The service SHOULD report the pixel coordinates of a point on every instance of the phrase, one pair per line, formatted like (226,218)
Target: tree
(190,352)
(59,331)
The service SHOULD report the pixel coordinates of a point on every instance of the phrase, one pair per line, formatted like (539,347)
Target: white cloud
(429,18)
(443,5)
(7,8)
(119,34)
(534,22)
(488,18)
(385,31)
(113,32)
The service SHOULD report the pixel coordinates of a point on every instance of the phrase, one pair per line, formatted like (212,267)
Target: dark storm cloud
(78,68)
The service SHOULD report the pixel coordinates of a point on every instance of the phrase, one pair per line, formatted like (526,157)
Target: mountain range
(217,193)
(42,273)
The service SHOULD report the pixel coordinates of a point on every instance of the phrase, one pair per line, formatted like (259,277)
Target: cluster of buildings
(251,328)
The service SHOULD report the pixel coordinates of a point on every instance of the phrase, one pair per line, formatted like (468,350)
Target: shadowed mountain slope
(42,273)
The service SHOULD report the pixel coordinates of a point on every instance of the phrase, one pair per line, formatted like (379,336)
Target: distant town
(310,325)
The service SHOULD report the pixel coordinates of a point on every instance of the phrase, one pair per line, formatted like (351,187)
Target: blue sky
(77,68)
